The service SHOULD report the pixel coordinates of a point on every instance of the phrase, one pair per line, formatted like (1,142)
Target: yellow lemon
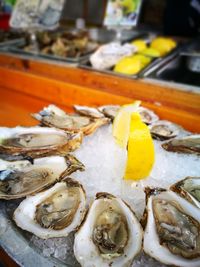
(121,123)
(131,65)
(141,153)
(151,52)
(139,44)
(163,45)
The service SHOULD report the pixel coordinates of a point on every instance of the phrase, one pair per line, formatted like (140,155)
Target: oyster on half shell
(55,212)
(189,145)
(109,111)
(34,142)
(172,233)
(21,178)
(164,130)
(189,188)
(111,233)
(88,111)
(53,116)
(147,115)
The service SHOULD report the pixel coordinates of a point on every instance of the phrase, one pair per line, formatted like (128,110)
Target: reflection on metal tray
(180,70)
(6,44)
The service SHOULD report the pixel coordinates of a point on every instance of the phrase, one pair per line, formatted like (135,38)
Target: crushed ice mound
(105,165)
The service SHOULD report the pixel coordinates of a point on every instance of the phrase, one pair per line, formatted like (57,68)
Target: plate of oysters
(64,202)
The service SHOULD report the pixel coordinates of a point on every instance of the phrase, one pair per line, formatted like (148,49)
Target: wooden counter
(46,83)
(26,86)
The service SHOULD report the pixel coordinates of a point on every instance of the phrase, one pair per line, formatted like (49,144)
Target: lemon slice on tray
(129,131)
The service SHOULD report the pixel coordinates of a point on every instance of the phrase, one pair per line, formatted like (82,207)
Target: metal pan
(18,48)
(181,69)
(155,63)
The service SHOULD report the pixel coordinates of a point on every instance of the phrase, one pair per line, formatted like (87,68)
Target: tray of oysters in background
(70,45)
(63,201)
(133,57)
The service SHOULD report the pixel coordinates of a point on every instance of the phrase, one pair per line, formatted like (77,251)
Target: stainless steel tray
(177,70)
(19,245)
(155,63)
(6,44)
(17,48)
(182,68)
(143,73)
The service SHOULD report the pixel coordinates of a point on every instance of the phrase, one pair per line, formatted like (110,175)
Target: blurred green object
(10,2)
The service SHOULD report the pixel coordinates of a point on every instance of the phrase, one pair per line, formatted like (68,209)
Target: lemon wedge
(151,52)
(139,44)
(132,64)
(121,123)
(163,44)
(141,153)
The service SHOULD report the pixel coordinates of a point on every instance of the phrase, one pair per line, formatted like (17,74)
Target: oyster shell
(109,111)
(55,212)
(172,233)
(111,233)
(34,142)
(88,111)
(189,188)
(53,116)
(189,145)
(20,179)
(147,115)
(163,130)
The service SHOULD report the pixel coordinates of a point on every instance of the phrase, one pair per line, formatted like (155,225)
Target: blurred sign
(37,14)
(122,12)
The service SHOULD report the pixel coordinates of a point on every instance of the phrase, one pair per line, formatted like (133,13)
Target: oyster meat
(189,145)
(53,116)
(172,233)
(55,212)
(19,179)
(34,142)
(111,233)
(147,115)
(163,130)
(189,188)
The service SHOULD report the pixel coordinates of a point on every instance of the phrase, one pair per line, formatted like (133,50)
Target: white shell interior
(86,251)
(6,132)
(24,215)
(151,241)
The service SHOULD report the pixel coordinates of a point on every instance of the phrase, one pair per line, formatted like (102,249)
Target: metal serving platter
(151,66)
(20,244)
